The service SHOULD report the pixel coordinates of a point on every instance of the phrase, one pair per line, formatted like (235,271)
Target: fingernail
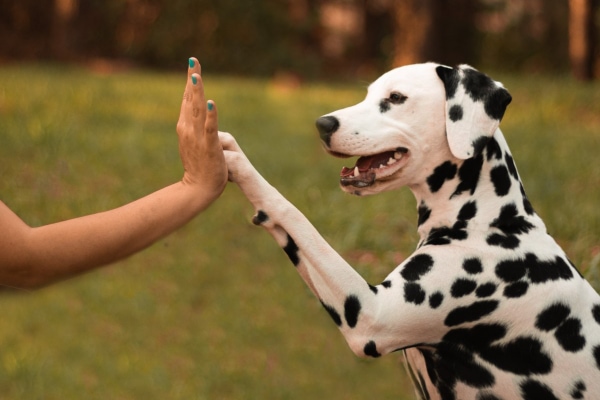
(210,106)
(194,80)
(191,62)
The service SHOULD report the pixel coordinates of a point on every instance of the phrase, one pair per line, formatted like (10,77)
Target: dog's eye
(397,98)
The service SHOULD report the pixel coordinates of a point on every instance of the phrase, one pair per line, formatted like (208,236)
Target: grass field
(216,311)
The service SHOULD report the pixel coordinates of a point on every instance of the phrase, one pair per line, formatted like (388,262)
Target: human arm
(34,257)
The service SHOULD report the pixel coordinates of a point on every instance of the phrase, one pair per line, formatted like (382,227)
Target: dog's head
(413,119)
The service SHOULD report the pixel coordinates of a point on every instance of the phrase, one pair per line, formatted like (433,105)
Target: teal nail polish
(194,80)
(192,63)
(210,106)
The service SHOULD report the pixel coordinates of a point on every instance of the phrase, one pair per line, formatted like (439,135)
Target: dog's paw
(260,218)
(238,165)
(228,142)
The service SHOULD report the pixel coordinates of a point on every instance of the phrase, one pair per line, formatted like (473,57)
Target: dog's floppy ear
(475,104)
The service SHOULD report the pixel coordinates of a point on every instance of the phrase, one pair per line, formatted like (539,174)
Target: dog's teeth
(391,161)
(356,172)
(398,155)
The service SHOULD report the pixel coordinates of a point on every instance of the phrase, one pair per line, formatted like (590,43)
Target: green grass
(216,311)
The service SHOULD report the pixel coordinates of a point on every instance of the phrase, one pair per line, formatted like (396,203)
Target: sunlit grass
(216,310)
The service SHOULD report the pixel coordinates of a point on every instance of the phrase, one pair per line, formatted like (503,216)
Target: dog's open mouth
(370,168)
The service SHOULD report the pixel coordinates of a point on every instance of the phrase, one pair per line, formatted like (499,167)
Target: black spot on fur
(569,335)
(486,290)
(578,391)
(479,144)
(544,271)
(451,78)
(260,218)
(522,355)
(480,87)
(455,113)
(510,222)
(526,203)
(477,85)
(487,396)
(386,284)
(500,180)
(468,175)
(507,242)
(596,353)
(441,174)
(416,267)
(466,369)
(435,300)
(534,390)
(493,149)
(370,349)
(440,375)
(532,269)
(384,106)
(351,310)
(424,213)
(450,364)
(511,270)
(516,289)
(470,313)
(291,249)
(414,293)
(445,235)
(462,287)
(496,104)
(512,168)
(473,266)
(467,211)
(596,313)
(437,238)
(373,289)
(521,272)
(332,313)
(552,316)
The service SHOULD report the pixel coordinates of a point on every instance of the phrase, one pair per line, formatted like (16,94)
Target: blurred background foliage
(306,38)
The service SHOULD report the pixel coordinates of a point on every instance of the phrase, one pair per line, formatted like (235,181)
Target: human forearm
(61,250)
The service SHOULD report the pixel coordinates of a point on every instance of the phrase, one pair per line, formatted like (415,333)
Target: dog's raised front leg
(354,305)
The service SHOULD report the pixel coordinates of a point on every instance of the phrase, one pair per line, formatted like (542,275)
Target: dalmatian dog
(488,306)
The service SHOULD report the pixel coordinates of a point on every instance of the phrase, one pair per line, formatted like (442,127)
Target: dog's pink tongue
(367,162)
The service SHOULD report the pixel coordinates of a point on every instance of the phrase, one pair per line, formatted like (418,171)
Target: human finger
(198,104)
(186,112)
(211,125)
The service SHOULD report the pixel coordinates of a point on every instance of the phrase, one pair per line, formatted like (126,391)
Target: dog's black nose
(326,126)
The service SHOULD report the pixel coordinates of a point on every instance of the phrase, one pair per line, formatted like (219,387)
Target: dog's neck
(485,194)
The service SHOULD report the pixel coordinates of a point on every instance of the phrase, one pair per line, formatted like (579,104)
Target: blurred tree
(434,30)
(523,35)
(413,34)
(314,38)
(64,10)
(24,28)
(583,38)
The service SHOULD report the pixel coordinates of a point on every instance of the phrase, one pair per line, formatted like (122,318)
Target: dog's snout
(326,126)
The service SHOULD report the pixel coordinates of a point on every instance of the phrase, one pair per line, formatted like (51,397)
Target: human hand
(199,147)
